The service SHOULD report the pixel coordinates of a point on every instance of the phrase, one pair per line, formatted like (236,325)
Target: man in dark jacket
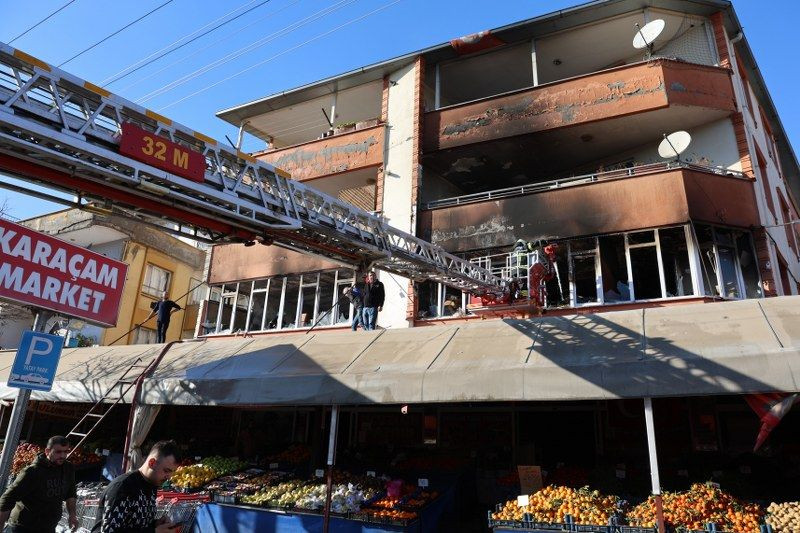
(34,500)
(374,296)
(355,293)
(128,504)
(163,309)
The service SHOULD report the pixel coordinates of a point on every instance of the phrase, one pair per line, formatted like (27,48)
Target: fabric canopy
(735,347)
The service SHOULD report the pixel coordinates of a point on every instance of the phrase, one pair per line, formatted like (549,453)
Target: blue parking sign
(36,361)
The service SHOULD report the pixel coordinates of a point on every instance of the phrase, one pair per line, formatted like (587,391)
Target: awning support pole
(651,446)
(331,461)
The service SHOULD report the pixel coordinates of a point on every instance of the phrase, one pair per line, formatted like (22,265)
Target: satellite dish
(674,144)
(647,35)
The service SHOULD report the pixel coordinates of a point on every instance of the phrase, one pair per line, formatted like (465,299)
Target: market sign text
(42,271)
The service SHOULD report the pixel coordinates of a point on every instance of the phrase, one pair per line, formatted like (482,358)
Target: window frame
(229,293)
(157,294)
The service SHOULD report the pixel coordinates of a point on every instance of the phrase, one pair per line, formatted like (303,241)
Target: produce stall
(703,507)
(281,500)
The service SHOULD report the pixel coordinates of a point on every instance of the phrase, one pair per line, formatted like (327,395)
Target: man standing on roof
(374,296)
(129,502)
(355,293)
(164,309)
(33,502)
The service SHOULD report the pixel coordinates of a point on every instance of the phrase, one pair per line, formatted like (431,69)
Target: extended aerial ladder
(64,133)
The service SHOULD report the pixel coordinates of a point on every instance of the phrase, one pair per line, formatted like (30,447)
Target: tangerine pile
(553,503)
(701,504)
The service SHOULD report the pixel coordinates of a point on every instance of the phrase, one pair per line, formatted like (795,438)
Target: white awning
(686,350)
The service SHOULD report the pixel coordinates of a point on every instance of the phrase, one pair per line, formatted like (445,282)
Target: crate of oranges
(703,503)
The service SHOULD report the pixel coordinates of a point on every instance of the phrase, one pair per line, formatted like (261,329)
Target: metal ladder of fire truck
(113,397)
(64,133)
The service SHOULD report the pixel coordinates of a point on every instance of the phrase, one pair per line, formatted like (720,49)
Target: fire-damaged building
(546,131)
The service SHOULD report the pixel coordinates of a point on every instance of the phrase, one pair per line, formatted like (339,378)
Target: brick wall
(381,177)
(761,241)
(741,144)
(721,39)
(419,110)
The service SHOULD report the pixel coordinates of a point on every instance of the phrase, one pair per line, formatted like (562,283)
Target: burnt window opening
(728,264)
(749,266)
(675,257)
(644,270)
(614,269)
(583,271)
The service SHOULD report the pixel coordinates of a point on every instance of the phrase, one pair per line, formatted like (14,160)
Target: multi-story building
(157,262)
(543,130)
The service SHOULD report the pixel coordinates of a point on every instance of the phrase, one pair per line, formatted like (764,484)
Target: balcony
(634,198)
(533,132)
(609,94)
(344,152)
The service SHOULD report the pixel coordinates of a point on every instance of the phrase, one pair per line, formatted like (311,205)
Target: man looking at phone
(128,504)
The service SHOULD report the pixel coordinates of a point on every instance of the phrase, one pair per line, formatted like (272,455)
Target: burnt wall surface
(611,93)
(617,205)
(235,262)
(331,155)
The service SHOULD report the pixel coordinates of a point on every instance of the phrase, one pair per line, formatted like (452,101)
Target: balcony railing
(582,179)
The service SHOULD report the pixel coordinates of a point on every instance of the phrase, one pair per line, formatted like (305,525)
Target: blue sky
(304,54)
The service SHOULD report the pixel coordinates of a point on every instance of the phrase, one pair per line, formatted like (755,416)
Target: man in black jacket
(128,504)
(164,309)
(374,296)
(34,500)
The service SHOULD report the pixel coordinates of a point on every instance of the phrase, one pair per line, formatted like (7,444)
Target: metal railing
(533,188)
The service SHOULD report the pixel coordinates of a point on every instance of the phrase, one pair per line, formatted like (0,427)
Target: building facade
(157,262)
(546,130)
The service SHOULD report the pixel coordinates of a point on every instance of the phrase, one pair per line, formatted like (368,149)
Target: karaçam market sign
(42,271)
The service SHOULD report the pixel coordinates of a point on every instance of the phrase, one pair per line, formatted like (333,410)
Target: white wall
(397,204)
(757,137)
(713,145)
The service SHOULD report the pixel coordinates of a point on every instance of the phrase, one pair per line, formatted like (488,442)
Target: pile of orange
(553,503)
(394,514)
(386,503)
(701,504)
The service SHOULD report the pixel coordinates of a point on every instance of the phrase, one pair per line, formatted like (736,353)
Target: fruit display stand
(704,507)
(275,501)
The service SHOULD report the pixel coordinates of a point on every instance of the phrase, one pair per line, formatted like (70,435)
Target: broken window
(585,277)
(614,269)
(497,71)
(239,319)
(308,300)
(728,262)
(748,265)
(427,299)
(675,258)
(644,266)
(274,296)
(558,287)
(435,300)
(225,318)
(290,299)
(255,319)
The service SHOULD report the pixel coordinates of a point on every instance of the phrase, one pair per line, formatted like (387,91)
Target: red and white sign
(42,271)
(162,153)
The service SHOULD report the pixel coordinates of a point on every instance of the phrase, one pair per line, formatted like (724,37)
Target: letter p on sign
(39,346)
